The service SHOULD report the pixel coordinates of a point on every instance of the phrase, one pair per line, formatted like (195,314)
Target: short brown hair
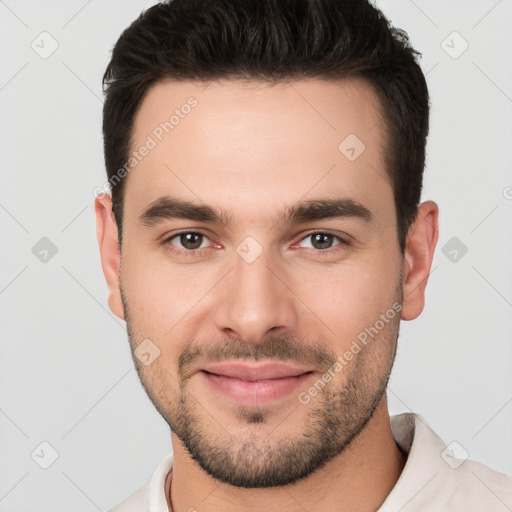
(273,41)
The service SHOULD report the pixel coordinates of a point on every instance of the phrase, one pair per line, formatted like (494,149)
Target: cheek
(160,294)
(163,303)
(349,298)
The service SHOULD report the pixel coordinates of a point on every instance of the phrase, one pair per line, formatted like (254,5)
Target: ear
(419,252)
(106,230)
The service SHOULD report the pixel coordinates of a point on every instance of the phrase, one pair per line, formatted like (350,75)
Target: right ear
(107,233)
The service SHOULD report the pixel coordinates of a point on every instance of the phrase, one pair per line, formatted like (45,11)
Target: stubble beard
(262,459)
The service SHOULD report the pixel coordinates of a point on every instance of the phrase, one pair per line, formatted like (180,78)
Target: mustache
(278,349)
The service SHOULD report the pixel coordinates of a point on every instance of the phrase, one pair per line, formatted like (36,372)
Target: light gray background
(66,375)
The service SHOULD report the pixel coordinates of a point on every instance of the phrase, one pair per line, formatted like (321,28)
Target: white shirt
(431,481)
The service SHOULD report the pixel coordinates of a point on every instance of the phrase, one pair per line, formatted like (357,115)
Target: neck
(360,478)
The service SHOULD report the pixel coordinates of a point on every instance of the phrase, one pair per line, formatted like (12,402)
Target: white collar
(427,482)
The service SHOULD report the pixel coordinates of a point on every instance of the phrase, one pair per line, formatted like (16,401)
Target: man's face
(260,288)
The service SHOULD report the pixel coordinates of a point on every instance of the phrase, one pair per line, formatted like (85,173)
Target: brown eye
(322,240)
(187,241)
(191,240)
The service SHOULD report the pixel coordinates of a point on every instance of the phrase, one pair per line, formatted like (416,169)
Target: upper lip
(255,371)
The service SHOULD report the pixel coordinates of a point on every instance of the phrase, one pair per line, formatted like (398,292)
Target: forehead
(259,146)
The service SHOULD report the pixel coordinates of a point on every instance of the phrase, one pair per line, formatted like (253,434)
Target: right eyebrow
(166,207)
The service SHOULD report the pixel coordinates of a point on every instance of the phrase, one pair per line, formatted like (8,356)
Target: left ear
(419,252)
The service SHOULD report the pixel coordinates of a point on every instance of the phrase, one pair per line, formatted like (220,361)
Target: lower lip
(255,392)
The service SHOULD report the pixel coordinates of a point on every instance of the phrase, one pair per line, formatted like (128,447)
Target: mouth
(254,384)
(255,379)
(255,371)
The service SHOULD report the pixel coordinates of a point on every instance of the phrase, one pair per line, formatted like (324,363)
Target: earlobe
(419,253)
(107,234)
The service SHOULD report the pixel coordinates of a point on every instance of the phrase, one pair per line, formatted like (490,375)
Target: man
(263,240)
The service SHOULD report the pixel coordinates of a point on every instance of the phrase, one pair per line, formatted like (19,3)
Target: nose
(255,299)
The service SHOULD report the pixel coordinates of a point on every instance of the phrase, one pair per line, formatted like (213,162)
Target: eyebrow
(167,208)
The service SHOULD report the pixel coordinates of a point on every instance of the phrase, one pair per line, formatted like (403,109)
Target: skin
(253,149)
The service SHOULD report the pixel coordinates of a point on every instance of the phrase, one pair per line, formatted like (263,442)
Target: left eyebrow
(166,208)
(325,209)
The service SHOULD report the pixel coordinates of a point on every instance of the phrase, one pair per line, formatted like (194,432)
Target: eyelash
(199,252)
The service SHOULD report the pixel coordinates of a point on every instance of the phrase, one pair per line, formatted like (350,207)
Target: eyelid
(343,242)
(166,239)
